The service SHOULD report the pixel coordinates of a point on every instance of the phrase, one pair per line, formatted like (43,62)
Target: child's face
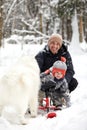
(58,75)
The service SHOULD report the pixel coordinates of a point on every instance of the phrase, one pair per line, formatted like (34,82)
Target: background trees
(41,18)
(1,21)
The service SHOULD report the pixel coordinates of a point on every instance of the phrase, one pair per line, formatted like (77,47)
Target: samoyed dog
(19,89)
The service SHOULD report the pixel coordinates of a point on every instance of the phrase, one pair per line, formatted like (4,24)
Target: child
(54,79)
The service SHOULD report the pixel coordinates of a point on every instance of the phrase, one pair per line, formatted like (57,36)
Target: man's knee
(73,84)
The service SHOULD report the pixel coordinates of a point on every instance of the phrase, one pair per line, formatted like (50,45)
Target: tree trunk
(1,22)
(80,29)
(62,27)
(85,21)
(69,29)
(85,28)
(40,19)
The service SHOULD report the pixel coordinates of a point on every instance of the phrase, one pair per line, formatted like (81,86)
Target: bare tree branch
(10,10)
(38,32)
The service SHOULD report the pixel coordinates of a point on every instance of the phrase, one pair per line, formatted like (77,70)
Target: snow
(72,118)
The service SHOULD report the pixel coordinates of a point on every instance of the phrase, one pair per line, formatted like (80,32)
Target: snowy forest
(41,18)
(25,26)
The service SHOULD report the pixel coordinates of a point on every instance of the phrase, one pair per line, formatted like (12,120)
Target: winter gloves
(47,82)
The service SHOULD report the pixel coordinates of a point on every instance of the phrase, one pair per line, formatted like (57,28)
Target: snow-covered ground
(71,118)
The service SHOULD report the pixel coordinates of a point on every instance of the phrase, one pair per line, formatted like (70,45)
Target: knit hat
(56,38)
(59,66)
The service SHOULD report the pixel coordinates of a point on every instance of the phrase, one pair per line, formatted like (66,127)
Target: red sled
(48,107)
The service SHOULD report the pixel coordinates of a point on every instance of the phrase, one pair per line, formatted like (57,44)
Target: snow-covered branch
(10,10)
(23,31)
(33,28)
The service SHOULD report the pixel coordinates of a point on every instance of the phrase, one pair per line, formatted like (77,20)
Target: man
(52,52)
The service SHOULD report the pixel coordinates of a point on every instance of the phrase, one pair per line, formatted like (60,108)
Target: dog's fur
(19,90)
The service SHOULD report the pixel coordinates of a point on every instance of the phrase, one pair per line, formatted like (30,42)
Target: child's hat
(59,66)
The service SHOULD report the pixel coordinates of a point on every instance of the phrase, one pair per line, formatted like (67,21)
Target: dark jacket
(58,85)
(45,60)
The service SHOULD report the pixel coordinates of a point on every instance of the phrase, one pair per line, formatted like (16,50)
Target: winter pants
(73,84)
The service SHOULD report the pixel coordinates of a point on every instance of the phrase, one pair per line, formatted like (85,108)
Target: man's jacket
(45,60)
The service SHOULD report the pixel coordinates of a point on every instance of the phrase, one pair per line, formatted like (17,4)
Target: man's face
(54,47)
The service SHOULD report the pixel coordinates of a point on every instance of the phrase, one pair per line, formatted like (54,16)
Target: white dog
(19,90)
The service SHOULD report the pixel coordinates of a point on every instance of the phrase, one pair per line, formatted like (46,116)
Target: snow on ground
(73,118)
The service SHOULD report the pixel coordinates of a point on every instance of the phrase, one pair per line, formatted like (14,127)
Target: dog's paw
(33,115)
(24,121)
